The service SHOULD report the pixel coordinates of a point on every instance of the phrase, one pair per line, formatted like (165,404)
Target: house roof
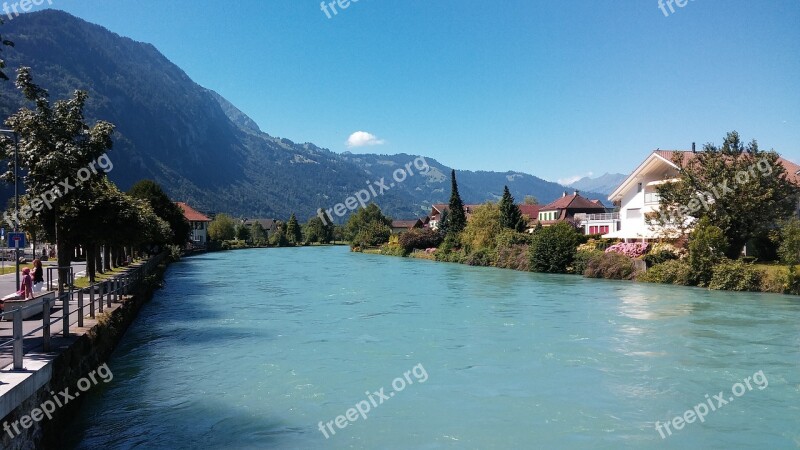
(406,223)
(667,157)
(268,224)
(191,214)
(438,208)
(531,211)
(574,201)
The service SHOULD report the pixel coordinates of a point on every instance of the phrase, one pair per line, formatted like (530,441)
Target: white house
(198,222)
(637,196)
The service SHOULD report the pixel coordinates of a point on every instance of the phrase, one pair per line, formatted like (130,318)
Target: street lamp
(16,195)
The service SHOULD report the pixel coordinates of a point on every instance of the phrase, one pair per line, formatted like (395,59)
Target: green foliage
(419,239)
(457,219)
(741,189)
(293,231)
(731,275)
(481,257)
(279,238)
(514,257)
(243,233)
(669,272)
(658,257)
(789,237)
(175,252)
(553,248)
(790,282)
(258,234)
(530,200)
(483,228)
(315,230)
(582,258)
(510,238)
(368,227)
(510,215)
(707,246)
(222,228)
(611,266)
(164,208)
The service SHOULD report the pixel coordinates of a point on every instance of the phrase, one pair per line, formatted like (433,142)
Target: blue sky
(554,88)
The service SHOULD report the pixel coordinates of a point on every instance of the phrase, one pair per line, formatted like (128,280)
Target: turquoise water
(253,349)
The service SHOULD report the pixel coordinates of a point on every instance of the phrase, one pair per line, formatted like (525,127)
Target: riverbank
(33,415)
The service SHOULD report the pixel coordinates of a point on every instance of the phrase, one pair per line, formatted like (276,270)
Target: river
(266,348)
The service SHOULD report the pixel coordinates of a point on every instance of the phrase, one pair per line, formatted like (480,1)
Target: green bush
(735,276)
(419,239)
(552,248)
(658,257)
(611,265)
(392,249)
(510,238)
(582,258)
(453,256)
(707,246)
(514,257)
(673,271)
(481,257)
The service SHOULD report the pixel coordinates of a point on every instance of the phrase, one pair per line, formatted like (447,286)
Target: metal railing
(100,294)
(603,216)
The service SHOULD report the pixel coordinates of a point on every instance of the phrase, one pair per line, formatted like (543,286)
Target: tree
(457,219)
(293,232)
(222,228)
(164,208)
(368,227)
(789,248)
(510,215)
(530,200)
(56,145)
(483,227)
(741,189)
(7,43)
(243,232)
(553,248)
(315,230)
(707,247)
(258,234)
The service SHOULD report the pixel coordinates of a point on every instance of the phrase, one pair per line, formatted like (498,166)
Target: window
(639,187)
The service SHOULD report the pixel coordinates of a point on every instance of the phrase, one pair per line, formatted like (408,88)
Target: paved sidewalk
(8,281)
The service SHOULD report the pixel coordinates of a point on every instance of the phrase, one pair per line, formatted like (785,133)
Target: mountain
(200,147)
(605,183)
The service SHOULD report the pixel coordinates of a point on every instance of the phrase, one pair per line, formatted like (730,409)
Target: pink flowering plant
(629,249)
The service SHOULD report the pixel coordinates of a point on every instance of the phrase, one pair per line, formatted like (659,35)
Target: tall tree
(741,189)
(530,200)
(56,149)
(457,218)
(222,228)
(164,208)
(510,215)
(293,231)
(258,234)
(368,227)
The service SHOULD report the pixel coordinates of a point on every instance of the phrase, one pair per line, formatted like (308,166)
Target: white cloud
(363,139)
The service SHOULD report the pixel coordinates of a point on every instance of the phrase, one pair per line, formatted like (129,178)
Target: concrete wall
(46,374)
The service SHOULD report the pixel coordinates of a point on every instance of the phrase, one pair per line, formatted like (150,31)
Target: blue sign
(16,240)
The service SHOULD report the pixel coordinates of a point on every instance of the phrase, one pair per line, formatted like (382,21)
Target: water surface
(253,349)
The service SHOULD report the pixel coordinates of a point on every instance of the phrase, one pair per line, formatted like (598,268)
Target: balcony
(604,216)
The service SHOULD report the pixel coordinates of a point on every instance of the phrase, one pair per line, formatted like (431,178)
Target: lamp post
(16,195)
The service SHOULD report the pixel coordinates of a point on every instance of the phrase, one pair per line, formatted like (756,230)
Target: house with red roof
(438,208)
(198,223)
(401,226)
(569,208)
(637,196)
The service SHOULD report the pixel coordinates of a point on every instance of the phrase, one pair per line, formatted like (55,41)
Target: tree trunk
(63,257)
(90,250)
(107,257)
(98,258)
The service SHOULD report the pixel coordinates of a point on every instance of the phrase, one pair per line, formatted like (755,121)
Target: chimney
(565,194)
(576,193)
(694,148)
